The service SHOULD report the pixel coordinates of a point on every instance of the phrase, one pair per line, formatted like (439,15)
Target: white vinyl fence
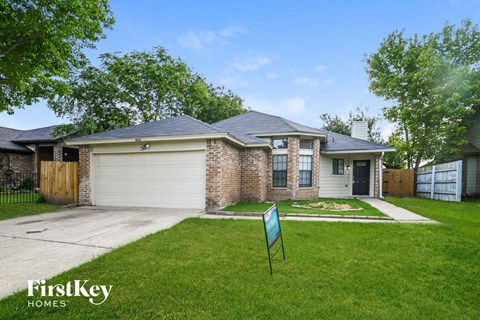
(441,181)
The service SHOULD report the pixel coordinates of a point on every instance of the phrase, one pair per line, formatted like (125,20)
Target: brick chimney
(360,129)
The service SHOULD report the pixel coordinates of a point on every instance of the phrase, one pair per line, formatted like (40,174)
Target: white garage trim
(154,147)
(167,176)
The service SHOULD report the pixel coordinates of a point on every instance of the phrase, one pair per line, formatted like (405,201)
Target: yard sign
(271,224)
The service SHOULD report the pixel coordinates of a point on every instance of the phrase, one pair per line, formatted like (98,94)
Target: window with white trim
(279,170)
(306,144)
(305,174)
(280,143)
(338,166)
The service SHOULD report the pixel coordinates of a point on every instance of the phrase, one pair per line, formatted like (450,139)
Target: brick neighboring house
(21,151)
(185,163)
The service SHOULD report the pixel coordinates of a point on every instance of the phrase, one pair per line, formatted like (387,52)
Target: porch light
(348,167)
(146,146)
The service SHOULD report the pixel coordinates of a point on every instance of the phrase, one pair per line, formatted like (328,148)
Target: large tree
(335,123)
(140,87)
(397,159)
(41,42)
(433,82)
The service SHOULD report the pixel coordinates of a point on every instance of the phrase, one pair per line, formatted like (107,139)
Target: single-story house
(184,163)
(471,159)
(21,151)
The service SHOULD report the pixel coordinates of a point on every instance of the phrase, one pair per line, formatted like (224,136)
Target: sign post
(273,232)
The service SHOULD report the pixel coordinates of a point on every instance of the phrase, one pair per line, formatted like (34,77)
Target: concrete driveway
(41,246)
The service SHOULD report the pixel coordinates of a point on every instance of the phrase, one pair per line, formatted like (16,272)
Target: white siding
(339,186)
(360,130)
(470,164)
(473,133)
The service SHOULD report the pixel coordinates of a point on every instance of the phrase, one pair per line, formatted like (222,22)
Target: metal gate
(18,187)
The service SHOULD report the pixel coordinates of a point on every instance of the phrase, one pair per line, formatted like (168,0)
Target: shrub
(40,199)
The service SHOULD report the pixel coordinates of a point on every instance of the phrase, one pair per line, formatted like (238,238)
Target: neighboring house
(21,151)
(185,163)
(471,159)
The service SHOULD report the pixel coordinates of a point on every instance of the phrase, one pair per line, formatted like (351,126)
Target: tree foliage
(41,42)
(397,159)
(335,123)
(140,87)
(433,82)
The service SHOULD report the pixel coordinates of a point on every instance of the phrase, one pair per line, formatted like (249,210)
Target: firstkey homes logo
(96,294)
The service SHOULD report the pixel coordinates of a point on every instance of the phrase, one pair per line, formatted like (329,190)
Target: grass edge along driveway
(16,210)
(217,269)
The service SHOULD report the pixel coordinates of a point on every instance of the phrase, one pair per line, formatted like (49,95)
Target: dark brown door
(361,177)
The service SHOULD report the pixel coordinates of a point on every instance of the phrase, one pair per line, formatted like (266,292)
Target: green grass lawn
(286,207)
(19,198)
(9,211)
(217,269)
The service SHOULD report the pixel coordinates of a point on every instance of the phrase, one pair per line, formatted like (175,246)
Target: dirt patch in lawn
(327,206)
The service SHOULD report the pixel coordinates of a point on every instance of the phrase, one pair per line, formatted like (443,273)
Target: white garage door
(163,179)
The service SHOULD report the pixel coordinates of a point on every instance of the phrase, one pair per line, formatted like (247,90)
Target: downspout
(380,174)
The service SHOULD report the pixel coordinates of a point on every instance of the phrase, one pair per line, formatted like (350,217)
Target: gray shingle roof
(14,140)
(6,137)
(246,127)
(339,142)
(178,126)
(36,135)
(253,123)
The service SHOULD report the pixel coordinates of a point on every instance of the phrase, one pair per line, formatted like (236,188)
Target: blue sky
(296,59)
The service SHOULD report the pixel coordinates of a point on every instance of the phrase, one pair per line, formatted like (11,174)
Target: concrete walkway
(394,213)
(298,218)
(399,214)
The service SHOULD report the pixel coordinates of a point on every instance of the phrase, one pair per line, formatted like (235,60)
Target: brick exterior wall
(224,164)
(19,162)
(84,188)
(254,179)
(235,174)
(57,152)
(293,191)
(308,193)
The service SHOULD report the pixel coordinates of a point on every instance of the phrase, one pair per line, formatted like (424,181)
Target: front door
(361,177)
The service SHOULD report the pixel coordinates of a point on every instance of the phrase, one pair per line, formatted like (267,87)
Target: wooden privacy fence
(441,181)
(59,182)
(399,182)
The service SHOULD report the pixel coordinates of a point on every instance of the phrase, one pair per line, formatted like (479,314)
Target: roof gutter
(224,135)
(283,134)
(357,151)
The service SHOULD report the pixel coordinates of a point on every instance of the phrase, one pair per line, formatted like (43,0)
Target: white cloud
(305,81)
(283,107)
(386,129)
(231,32)
(311,82)
(235,74)
(251,62)
(326,82)
(321,68)
(272,75)
(295,105)
(231,79)
(201,40)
